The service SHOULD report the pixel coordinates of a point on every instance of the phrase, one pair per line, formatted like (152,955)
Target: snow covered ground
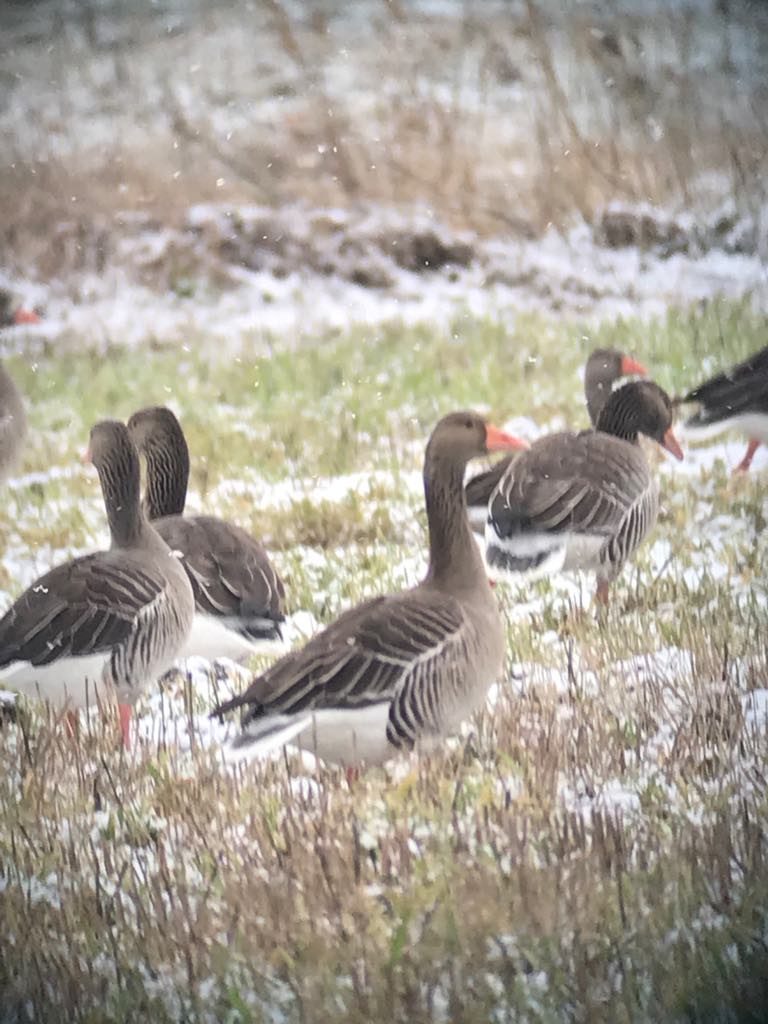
(282,297)
(609,803)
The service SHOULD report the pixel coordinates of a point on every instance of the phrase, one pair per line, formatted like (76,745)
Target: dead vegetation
(503,122)
(459,889)
(593,848)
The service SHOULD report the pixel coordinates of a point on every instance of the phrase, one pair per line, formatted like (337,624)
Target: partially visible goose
(398,671)
(737,398)
(110,622)
(604,367)
(582,501)
(239,598)
(11,314)
(13,418)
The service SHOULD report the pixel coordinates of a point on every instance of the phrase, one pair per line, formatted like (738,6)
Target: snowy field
(616,780)
(593,846)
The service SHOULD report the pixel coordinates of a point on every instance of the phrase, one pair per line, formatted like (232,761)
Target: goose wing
(480,487)
(570,483)
(365,657)
(83,607)
(230,572)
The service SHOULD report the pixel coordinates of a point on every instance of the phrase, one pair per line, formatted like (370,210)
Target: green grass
(463,886)
(355,400)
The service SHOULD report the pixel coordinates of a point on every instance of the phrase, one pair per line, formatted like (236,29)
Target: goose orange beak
(85,456)
(631,366)
(670,442)
(26,316)
(498,441)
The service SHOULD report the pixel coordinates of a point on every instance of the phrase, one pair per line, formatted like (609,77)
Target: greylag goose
(239,598)
(110,622)
(402,670)
(582,501)
(604,367)
(737,398)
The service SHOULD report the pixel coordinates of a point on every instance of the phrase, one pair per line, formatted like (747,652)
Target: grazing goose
(239,598)
(604,367)
(737,398)
(582,501)
(110,622)
(397,671)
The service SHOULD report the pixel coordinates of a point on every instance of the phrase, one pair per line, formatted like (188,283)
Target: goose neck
(454,559)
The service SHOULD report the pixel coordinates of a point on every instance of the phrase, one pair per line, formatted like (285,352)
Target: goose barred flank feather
(412,653)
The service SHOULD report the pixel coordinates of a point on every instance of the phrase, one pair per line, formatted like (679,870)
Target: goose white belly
(533,556)
(213,636)
(349,735)
(344,736)
(752,424)
(70,682)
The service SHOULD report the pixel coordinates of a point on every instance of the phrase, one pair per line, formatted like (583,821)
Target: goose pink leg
(125,724)
(73,724)
(746,462)
(602,593)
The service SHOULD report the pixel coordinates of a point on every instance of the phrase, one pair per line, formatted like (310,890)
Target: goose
(604,367)
(398,671)
(582,500)
(108,623)
(239,597)
(736,398)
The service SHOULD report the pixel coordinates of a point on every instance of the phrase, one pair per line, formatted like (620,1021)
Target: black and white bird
(736,399)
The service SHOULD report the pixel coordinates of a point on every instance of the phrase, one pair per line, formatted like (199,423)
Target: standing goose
(604,367)
(239,598)
(737,398)
(111,621)
(582,501)
(402,670)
